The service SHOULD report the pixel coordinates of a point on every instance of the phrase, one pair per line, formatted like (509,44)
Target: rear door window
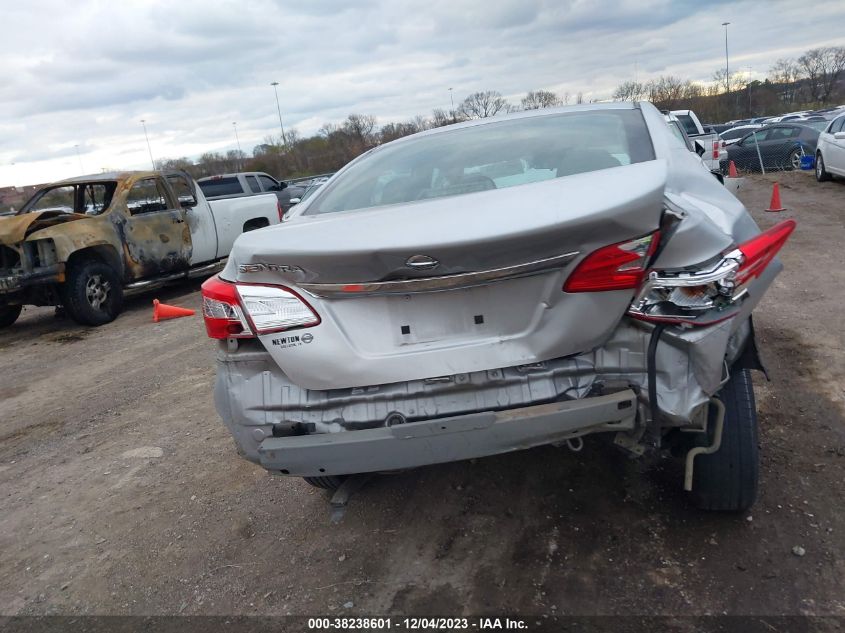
(146,196)
(221,187)
(689,125)
(252,181)
(182,188)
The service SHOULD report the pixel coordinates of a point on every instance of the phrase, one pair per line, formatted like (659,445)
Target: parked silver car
(496,285)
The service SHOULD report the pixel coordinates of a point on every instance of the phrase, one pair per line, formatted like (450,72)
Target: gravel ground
(122,492)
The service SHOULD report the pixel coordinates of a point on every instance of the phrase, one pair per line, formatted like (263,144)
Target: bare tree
(823,67)
(537,99)
(787,74)
(579,98)
(481,105)
(360,127)
(630,91)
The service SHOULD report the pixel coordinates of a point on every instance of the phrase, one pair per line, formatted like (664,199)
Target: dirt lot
(122,492)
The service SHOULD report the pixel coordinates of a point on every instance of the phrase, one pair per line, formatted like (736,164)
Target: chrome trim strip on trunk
(435,284)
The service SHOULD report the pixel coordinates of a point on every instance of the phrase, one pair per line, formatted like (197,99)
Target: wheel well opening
(255,223)
(105,254)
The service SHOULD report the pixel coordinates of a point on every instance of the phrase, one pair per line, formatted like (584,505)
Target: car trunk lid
(494,298)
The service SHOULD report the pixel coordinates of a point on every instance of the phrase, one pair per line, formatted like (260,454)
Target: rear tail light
(616,267)
(712,293)
(759,251)
(280,210)
(274,308)
(716,146)
(245,310)
(221,310)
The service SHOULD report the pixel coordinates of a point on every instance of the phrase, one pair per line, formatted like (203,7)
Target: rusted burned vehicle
(87,242)
(497,285)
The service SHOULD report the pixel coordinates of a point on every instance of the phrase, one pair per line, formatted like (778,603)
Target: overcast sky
(84,73)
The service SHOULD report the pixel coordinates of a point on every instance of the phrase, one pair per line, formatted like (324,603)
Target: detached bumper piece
(447,439)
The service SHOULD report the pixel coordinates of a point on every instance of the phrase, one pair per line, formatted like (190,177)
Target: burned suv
(496,285)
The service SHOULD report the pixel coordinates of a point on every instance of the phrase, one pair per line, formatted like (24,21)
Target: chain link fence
(765,157)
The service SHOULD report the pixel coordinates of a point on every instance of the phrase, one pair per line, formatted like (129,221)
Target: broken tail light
(619,266)
(221,310)
(712,293)
(245,310)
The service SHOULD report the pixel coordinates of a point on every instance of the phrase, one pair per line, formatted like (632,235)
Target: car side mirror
(294,201)
(839,136)
(188,203)
(699,149)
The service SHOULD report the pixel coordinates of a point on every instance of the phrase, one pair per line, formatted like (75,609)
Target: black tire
(9,314)
(726,481)
(329,482)
(92,293)
(821,174)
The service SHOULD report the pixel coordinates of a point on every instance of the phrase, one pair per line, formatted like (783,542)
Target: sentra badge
(272,268)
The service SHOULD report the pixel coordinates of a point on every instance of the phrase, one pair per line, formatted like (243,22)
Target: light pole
(451,100)
(149,149)
(275,85)
(727,70)
(81,168)
(238,141)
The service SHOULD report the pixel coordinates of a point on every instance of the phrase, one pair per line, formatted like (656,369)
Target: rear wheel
(795,158)
(9,314)
(93,294)
(330,482)
(727,479)
(821,174)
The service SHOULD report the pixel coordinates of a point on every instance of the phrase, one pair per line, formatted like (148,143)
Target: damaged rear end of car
(491,287)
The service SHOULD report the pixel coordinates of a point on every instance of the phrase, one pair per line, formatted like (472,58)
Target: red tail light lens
(715,150)
(280,210)
(759,251)
(221,310)
(616,267)
(245,310)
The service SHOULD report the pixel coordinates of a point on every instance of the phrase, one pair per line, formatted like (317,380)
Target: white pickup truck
(87,242)
(708,144)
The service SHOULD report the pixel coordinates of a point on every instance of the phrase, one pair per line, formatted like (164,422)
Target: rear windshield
(735,133)
(689,125)
(493,155)
(221,187)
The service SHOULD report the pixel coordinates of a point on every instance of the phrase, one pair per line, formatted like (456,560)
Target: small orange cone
(162,311)
(732,170)
(774,205)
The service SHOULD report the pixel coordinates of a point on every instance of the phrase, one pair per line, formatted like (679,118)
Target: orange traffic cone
(775,205)
(732,170)
(162,311)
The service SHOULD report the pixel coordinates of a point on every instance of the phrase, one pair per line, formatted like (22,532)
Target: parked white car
(830,150)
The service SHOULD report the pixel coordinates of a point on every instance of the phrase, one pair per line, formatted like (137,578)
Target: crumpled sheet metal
(689,365)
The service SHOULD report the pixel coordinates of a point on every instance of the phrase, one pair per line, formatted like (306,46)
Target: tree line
(812,80)
(334,145)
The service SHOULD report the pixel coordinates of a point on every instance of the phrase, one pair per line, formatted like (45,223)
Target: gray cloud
(90,72)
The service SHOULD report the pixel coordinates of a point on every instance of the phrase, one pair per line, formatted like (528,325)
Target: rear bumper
(447,439)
